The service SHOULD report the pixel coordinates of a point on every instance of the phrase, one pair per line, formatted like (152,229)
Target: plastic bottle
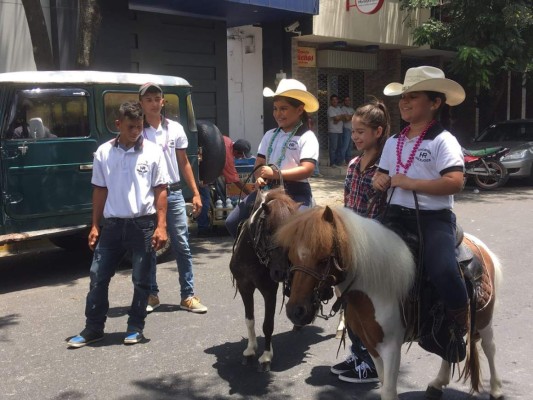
(229,204)
(219,213)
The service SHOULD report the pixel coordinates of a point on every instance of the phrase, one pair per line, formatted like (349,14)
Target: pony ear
(328,215)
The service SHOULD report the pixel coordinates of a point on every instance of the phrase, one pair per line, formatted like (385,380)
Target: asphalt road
(187,356)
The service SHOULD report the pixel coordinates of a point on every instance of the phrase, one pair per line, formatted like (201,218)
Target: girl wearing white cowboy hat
(426,159)
(292,147)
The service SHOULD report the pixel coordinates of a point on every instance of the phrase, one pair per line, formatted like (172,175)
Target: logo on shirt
(172,143)
(424,155)
(292,145)
(142,168)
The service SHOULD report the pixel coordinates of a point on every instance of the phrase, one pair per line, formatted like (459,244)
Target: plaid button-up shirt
(359,194)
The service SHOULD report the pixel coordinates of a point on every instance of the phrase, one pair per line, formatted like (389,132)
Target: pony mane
(278,206)
(375,256)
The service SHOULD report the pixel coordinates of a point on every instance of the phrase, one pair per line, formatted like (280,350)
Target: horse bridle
(323,291)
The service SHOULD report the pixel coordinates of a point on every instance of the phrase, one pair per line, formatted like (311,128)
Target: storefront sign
(365,6)
(306,57)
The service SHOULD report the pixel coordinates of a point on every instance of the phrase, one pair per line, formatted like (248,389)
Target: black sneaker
(84,338)
(347,365)
(362,373)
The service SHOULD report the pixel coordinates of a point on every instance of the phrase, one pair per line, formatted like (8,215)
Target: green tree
(490,38)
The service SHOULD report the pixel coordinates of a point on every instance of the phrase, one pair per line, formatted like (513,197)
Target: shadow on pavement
(48,267)
(290,350)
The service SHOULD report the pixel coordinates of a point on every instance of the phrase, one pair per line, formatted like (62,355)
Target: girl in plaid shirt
(370,130)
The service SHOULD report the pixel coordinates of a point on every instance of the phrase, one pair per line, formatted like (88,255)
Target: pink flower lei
(401,142)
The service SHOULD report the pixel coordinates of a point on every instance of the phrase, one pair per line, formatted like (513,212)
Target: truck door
(47,153)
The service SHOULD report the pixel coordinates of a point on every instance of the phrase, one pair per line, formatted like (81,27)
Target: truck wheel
(213,151)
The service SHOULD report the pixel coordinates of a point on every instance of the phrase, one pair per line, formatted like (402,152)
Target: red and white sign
(306,57)
(365,6)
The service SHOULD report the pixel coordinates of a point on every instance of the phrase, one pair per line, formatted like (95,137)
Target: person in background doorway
(171,137)
(132,200)
(347,144)
(335,129)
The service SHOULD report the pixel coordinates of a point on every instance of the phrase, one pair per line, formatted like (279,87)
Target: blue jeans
(346,148)
(359,349)
(335,143)
(178,232)
(203,218)
(440,264)
(116,237)
(243,210)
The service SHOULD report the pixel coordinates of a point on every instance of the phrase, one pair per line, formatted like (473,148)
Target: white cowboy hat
(296,90)
(427,79)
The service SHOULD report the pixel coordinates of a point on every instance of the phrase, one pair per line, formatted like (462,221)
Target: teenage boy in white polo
(130,182)
(171,137)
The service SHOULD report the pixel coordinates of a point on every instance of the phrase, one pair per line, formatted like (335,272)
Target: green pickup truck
(51,122)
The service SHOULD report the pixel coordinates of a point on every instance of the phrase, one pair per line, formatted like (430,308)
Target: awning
(234,12)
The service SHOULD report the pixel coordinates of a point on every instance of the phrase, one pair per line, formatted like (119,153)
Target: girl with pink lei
(424,162)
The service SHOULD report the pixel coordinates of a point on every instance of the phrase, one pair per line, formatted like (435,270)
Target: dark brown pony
(374,270)
(256,260)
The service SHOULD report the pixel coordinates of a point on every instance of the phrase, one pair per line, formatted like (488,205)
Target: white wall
(386,26)
(16,52)
(245,84)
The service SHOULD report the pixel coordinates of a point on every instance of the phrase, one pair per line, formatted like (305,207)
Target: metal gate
(342,83)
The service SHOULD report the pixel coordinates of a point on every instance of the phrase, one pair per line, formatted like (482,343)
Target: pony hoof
(433,394)
(502,397)
(264,367)
(248,360)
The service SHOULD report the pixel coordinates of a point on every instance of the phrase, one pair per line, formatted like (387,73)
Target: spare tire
(213,151)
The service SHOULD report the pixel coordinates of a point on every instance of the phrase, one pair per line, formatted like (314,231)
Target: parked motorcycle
(485,168)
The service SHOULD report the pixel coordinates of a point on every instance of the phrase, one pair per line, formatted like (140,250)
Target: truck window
(49,114)
(113,100)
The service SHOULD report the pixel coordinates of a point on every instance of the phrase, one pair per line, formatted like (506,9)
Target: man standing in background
(346,148)
(335,125)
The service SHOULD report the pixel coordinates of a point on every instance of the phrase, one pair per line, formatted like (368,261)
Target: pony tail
(472,368)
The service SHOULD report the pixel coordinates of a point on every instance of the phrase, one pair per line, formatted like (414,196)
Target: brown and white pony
(374,270)
(257,263)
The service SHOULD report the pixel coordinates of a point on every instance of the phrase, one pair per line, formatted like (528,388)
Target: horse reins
(332,263)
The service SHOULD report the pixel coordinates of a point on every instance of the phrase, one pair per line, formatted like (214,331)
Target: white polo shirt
(439,153)
(130,177)
(170,136)
(303,146)
(348,111)
(332,126)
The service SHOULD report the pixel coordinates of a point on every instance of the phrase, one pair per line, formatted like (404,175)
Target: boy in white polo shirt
(130,182)
(171,137)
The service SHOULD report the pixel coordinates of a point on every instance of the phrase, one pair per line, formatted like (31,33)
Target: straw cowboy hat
(427,79)
(296,90)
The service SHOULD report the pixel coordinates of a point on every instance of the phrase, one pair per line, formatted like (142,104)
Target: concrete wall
(245,86)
